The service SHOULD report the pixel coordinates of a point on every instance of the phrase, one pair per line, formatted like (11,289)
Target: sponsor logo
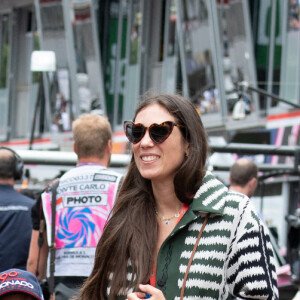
(4,276)
(16,282)
(8,280)
(105,177)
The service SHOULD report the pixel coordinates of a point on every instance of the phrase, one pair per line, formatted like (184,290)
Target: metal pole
(71,57)
(179,28)
(217,55)
(69,158)
(251,59)
(117,68)
(98,58)
(272,96)
(64,158)
(271,50)
(36,107)
(255,149)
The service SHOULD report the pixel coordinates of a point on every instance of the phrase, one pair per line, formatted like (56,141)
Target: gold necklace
(167,220)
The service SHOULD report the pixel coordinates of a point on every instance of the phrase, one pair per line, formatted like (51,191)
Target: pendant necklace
(167,220)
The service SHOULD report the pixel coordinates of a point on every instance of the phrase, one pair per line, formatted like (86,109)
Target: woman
(165,199)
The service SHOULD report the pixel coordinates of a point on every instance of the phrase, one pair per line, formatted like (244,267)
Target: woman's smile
(149,158)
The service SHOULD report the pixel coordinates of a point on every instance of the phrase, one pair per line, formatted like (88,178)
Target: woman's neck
(165,198)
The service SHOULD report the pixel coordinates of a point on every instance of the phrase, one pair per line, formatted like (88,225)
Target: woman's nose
(146,140)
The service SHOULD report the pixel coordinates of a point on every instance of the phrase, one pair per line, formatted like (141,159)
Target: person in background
(243,177)
(15,208)
(176,232)
(84,199)
(16,284)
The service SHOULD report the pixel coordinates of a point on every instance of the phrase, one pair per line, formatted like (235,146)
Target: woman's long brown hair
(130,235)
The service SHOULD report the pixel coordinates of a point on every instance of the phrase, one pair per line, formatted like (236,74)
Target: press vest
(85,196)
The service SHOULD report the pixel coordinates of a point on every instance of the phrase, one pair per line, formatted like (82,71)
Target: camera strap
(52,249)
(41,237)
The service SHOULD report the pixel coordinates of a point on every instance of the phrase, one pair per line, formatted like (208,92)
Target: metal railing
(254,149)
(63,158)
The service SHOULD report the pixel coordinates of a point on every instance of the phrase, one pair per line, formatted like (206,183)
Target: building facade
(227,56)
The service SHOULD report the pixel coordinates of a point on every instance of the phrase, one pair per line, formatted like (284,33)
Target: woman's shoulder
(214,197)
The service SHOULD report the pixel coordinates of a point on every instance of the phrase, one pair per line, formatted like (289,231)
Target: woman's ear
(187,150)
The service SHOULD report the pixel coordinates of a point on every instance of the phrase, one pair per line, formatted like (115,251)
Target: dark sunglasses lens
(134,132)
(159,133)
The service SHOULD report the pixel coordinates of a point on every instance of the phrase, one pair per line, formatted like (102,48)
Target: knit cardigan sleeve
(251,272)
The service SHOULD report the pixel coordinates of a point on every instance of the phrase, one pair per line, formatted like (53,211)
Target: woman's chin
(149,175)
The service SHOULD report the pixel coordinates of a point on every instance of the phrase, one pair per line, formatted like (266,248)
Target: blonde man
(84,199)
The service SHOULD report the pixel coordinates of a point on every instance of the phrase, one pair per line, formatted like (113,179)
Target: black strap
(54,186)
(41,231)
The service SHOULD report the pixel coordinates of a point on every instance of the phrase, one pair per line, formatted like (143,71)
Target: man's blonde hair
(91,134)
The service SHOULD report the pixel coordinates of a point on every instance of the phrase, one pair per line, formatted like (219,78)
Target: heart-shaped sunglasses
(157,132)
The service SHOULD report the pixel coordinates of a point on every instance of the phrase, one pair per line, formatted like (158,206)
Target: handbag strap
(54,186)
(192,256)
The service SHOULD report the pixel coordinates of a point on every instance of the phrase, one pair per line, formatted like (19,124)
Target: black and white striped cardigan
(234,258)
